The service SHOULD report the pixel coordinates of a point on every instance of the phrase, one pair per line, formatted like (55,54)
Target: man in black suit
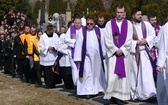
(18,50)
(2,50)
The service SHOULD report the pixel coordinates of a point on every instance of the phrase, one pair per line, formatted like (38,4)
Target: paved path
(98,100)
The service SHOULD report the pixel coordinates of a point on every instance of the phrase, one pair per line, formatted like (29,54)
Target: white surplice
(93,80)
(162,80)
(64,47)
(144,78)
(117,87)
(47,58)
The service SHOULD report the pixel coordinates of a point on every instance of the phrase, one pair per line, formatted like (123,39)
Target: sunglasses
(89,23)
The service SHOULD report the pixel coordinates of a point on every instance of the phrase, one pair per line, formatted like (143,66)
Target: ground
(15,92)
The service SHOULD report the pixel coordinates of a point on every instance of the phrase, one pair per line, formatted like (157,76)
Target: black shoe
(88,97)
(113,100)
(50,87)
(152,100)
(38,85)
(119,102)
(124,102)
(135,101)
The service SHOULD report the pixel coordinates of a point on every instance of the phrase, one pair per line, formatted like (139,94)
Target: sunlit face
(77,23)
(33,31)
(39,34)
(27,29)
(62,30)
(120,12)
(90,24)
(137,16)
(153,20)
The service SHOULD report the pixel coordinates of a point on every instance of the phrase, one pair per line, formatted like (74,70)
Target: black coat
(18,48)
(2,46)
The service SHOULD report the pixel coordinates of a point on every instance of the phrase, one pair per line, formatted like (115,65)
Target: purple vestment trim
(73,36)
(56,67)
(156,28)
(119,39)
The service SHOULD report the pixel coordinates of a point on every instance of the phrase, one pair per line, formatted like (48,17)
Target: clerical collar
(101,26)
(49,35)
(119,20)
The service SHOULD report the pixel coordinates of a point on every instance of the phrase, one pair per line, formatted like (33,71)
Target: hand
(27,57)
(143,41)
(139,42)
(50,48)
(159,69)
(119,52)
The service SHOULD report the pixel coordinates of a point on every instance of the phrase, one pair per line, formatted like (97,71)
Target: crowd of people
(125,60)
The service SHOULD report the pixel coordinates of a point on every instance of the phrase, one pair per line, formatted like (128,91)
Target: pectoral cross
(116,37)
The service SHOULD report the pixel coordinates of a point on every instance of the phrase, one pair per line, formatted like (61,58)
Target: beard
(137,20)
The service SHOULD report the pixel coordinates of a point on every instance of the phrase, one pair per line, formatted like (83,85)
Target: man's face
(101,21)
(2,36)
(33,31)
(55,29)
(62,30)
(27,29)
(77,23)
(137,16)
(153,21)
(49,31)
(90,24)
(120,13)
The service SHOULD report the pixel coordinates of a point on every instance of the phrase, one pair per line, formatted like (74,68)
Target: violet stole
(156,28)
(56,67)
(73,36)
(119,67)
(97,30)
(135,37)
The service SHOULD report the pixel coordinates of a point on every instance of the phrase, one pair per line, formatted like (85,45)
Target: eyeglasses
(89,23)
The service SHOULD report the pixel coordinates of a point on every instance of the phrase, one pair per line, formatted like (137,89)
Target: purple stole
(156,28)
(97,30)
(135,37)
(56,67)
(119,41)
(73,36)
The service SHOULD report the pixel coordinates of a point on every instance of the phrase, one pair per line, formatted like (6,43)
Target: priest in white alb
(118,40)
(142,81)
(162,67)
(91,73)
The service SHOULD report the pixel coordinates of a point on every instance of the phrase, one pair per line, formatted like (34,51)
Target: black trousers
(1,61)
(20,65)
(66,74)
(38,72)
(14,67)
(26,69)
(7,64)
(50,78)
